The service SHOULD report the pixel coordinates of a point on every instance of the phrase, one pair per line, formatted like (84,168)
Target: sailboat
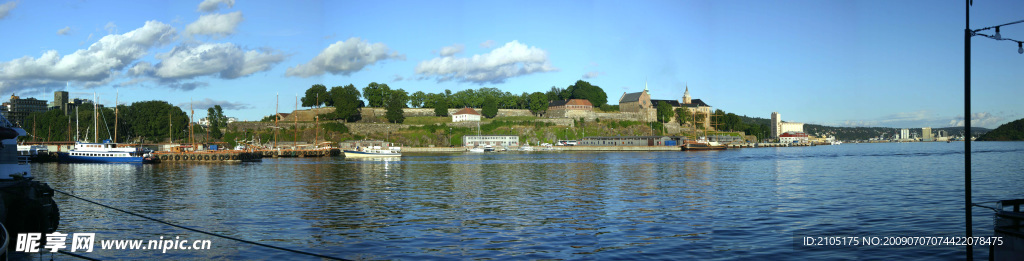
(105,152)
(478,149)
(703,143)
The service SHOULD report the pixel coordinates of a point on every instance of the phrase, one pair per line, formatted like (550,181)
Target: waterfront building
(629,141)
(696,106)
(635,102)
(778,127)
(941,133)
(904,134)
(60,102)
(573,108)
(791,137)
(17,109)
(493,140)
(926,134)
(466,114)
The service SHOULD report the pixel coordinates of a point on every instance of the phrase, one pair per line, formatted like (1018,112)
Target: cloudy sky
(840,63)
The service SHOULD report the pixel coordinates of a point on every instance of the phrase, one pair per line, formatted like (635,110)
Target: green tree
(148,120)
(214,120)
(346,103)
(682,115)
(490,108)
(395,105)
(268,118)
(376,94)
(538,103)
(555,94)
(664,112)
(315,96)
(417,99)
(440,105)
(584,90)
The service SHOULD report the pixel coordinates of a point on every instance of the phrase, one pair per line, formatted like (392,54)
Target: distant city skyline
(864,63)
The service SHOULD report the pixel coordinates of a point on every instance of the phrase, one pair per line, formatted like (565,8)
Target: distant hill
(864,133)
(1011,131)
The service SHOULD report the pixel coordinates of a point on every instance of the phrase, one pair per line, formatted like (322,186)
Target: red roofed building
(573,108)
(466,114)
(791,137)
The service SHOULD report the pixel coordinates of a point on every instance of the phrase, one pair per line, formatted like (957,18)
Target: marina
(568,205)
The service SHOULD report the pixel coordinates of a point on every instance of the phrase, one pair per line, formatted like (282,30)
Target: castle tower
(686,95)
(776,124)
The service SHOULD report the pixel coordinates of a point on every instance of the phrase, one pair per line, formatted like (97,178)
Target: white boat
(106,152)
(477,150)
(527,147)
(375,151)
(488,148)
(30,152)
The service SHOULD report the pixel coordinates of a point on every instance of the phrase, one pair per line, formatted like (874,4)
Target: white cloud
(217,25)
(110,27)
(592,74)
(487,44)
(511,60)
(979,119)
(225,60)
(452,50)
(185,86)
(6,8)
(202,105)
(64,31)
(97,64)
(213,5)
(345,57)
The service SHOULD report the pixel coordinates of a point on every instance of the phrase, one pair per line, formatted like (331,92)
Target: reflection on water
(664,205)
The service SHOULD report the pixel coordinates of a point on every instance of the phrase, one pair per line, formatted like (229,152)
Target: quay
(224,156)
(298,153)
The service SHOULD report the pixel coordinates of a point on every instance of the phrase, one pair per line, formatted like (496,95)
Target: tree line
(347,99)
(147,121)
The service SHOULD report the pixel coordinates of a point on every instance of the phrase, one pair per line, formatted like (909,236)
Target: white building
(904,134)
(791,137)
(779,127)
(466,114)
(493,140)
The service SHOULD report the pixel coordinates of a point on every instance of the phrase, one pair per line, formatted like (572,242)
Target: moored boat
(27,205)
(375,151)
(106,152)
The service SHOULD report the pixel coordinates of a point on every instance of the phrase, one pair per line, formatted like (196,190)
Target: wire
(1003,38)
(990,27)
(77,255)
(200,231)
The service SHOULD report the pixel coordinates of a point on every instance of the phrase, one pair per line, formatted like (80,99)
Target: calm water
(744,203)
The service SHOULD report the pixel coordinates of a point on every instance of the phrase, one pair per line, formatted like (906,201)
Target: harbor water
(735,204)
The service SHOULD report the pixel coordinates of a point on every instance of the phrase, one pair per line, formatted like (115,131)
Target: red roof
(467,110)
(794,134)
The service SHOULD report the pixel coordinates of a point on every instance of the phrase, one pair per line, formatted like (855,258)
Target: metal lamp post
(968,33)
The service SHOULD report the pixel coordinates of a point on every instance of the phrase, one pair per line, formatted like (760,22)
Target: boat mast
(115,115)
(95,118)
(277,104)
(78,128)
(295,119)
(191,134)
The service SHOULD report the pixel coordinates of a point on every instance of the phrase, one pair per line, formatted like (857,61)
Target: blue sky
(839,63)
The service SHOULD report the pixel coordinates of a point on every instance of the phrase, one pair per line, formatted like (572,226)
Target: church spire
(686,95)
(645,84)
